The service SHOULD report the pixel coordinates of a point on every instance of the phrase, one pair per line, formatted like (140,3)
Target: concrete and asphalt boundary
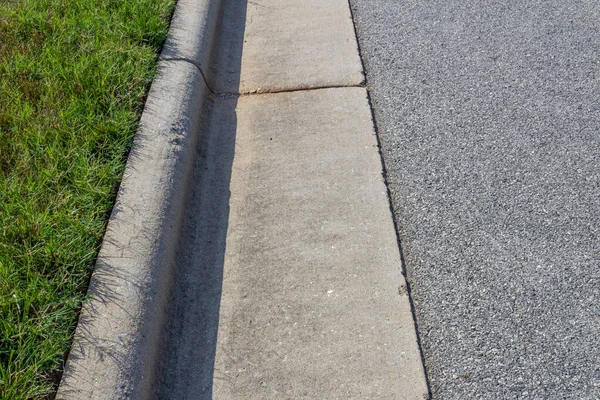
(251,252)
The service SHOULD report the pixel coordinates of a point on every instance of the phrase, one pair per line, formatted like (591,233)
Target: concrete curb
(192,33)
(120,328)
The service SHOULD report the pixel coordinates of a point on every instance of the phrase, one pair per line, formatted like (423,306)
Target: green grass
(73,76)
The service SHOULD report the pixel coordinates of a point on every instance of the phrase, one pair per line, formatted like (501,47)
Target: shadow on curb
(191,337)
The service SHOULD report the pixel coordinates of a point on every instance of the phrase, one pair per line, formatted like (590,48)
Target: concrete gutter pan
(315,307)
(121,324)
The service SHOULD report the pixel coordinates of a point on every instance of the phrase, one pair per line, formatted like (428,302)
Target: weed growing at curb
(73,76)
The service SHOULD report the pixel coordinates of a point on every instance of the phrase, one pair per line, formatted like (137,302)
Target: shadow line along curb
(119,333)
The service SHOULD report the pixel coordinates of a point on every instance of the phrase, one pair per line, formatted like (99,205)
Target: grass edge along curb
(114,354)
(73,79)
(120,326)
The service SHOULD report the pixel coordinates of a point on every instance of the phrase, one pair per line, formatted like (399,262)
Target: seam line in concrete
(192,62)
(277,91)
(227,95)
(384,173)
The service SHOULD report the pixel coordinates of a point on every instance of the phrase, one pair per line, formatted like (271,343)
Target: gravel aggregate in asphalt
(489,119)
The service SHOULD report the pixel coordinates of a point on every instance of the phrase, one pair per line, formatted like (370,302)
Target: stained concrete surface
(287,45)
(289,279)
(312,302)
(489,116)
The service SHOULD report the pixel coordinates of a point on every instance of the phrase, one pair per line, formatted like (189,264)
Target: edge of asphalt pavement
(385,175)
(121,325)
(125,311)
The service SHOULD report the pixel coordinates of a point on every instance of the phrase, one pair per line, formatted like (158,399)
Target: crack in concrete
(291,90)
(228,95)
(190,61)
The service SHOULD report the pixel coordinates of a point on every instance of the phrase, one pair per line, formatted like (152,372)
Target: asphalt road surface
(489,118)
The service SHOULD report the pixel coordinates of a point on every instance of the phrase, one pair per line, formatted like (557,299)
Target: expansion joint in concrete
(293,90)
(192,62)
(226,95)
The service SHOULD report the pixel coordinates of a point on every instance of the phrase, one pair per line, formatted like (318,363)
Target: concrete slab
(289,278)
(287,44)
